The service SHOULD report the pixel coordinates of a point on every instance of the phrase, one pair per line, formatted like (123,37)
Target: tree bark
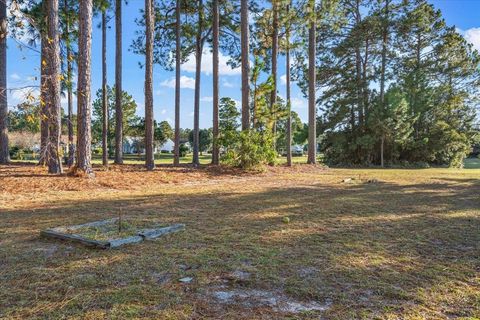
(359,74)
(384,55)
(198,75)
(118,84)
(383,72)
(312,111)
(149,24)
(245,65)
(289,103)
(273,97)
(71,144)
(105,114)
(53,160)
(43,89)
(84,130)
(216,32)
(4,152)
(178,58)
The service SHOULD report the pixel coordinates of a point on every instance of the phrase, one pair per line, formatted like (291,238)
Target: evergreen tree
(4,151)
(84,134)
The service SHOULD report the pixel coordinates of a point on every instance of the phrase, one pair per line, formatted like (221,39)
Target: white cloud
(283,80)
(473,36)
(227,84)
(298,103)
(185,83)
(15,76)
(163,111)
(207,64)
(206,99)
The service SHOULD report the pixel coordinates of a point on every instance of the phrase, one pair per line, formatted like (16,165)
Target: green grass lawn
(472,163)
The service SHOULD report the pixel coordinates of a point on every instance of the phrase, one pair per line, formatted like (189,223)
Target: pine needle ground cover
(392,244)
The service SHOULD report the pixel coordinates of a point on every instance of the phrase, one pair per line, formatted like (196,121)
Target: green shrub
(252,150)
(183,150)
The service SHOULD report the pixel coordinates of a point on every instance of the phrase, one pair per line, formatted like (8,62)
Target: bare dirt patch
(256,298)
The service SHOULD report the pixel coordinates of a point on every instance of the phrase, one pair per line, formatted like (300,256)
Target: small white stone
(186,280)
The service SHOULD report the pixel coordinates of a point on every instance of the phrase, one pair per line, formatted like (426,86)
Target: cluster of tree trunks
(50,83)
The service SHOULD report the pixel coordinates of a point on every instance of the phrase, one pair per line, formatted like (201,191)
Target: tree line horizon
(396,84)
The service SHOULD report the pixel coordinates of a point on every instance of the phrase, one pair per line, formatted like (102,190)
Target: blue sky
(23,67)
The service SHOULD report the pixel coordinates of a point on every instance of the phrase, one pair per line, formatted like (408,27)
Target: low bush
(251,150)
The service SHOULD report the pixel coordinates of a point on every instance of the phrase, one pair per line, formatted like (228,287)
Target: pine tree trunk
(360,67)
(312,112)
(383,72)
(216,31)
(71,144)
(273,97)
(364,111)
(198,70)
(4,152)
(118,84)
(53,160)
(289,103)
(43,89)
(178,53)
(384,55)
(149,24)
(105,114)
(358,75)
(245,65)
(84,130)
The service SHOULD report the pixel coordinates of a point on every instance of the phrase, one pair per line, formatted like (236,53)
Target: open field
(389,244)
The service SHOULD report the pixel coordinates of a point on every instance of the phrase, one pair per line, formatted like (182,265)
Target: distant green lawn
(167,158)
(472,163)
(163,158)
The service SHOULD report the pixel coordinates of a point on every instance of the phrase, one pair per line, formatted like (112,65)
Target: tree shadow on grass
(377,249)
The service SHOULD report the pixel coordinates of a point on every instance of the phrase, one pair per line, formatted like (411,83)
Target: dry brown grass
(404,247)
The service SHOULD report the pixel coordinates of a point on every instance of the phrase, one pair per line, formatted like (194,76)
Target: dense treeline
(387,81)
(399,85)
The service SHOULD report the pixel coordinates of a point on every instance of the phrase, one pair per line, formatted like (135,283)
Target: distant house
(29,143)
(132,145)
(135,145)
(168,146)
